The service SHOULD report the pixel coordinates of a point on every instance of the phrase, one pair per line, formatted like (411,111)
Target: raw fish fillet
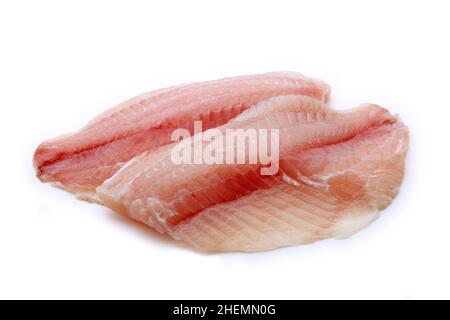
(337,169)
(81,161)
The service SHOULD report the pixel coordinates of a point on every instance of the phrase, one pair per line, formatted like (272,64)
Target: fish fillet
(81,161)
(337,169)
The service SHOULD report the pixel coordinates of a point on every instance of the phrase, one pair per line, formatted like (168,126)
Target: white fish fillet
(337,170)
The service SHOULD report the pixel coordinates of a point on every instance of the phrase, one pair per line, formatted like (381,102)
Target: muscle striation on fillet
(333,173)
(81,161)
(337,170)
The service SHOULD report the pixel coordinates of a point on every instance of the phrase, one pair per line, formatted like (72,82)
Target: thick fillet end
(40,154)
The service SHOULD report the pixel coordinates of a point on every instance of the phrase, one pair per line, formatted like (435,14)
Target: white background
(61,63)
